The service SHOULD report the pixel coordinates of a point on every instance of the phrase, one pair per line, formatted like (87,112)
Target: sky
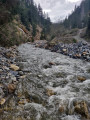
(58,9)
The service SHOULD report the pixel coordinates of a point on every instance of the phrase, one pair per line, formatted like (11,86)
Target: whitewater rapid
(60,78)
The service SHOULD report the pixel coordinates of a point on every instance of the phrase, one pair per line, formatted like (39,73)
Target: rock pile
(79,50)
(9,73)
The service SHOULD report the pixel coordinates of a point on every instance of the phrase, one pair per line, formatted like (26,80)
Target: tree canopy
(29,13)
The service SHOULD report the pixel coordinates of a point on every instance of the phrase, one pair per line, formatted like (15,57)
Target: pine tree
(79,17)
(88,27)
(29,13)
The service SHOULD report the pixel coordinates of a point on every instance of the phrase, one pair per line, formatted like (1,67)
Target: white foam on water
(71,117)
(36,58)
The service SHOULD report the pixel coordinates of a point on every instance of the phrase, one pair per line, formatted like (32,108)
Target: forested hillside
(88,26)
(21,20)
(79,17)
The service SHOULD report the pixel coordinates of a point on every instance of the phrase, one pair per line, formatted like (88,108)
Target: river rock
(21,72)
(9,54)
(40,76)
(22,77)
(15,82)
(46,66)
(13,78)
(81,78)
(64,50)
(23,102)
(84,53)
(1,92)
(51,63)
(15,73)
(11,88)
(61,109)
(81,108)
(50,92)
(6,68)
(14,67)
(2,101)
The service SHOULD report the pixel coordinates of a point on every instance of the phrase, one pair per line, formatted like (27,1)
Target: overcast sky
(58,9)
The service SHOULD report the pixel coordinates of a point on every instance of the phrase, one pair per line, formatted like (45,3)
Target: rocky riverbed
(79,50)
(10,74)
(37,84)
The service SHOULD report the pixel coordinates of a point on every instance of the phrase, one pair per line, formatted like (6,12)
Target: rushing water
(51,87)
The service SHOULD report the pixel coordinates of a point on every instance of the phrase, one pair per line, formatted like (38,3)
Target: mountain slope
(22,21)
(79,17)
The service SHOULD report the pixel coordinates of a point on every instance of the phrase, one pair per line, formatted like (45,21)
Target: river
(56,87)
(53,83)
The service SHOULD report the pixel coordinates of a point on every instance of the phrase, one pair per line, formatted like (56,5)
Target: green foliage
(52,37)
(43,35)
(88,28)
(32,39)
(29,14)
(3,1)
(34,30)
(8,35)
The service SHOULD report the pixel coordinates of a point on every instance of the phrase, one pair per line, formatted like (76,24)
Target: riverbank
(10,75)
(79,50)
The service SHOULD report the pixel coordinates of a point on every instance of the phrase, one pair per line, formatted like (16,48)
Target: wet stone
(2,101)
(81,78)
(21,72)
(61,109)
(50,92)
(40,76)
(14,67)
(81,108)
(15,73)
(11,88)
(1,92)
(46,66)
